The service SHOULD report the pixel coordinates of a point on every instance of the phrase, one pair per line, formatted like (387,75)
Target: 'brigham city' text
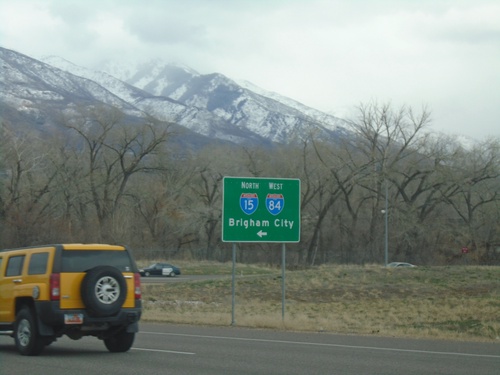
(249,223)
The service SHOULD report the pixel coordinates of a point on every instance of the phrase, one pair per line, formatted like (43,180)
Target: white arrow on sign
(260,233)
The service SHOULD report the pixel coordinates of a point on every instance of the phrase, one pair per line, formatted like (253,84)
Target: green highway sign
(260,210)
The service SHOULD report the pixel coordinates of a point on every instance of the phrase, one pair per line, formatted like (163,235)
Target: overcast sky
(330,55)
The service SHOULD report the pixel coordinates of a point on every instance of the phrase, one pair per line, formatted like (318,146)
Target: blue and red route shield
(275,203)
(249,202)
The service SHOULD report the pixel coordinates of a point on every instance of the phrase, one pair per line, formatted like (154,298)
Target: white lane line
(162,351)
(328,345)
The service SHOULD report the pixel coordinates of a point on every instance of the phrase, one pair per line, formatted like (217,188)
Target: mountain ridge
(211,105)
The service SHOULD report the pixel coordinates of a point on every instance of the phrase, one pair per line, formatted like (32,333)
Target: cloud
(329,54)
(165,27)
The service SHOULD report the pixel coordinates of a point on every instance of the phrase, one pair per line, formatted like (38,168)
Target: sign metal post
(260,210)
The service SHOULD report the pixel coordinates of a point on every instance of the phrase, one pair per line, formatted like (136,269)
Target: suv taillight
(55,287)
(137,286)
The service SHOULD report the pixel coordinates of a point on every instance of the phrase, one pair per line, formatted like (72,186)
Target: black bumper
(51,319)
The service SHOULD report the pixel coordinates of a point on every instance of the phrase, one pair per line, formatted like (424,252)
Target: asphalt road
(177,349)
(181,278)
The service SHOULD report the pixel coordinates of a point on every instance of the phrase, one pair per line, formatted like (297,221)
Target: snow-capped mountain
(28,81)
(243,105)
(211,105)
(166,79)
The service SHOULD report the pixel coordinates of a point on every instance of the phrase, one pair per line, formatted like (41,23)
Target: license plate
(73,318)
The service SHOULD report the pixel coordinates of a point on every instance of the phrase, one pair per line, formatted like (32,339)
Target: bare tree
(28,179)
(105,179)
(386,143)
(114,152)
(473,194)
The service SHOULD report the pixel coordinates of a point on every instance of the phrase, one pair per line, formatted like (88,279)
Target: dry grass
(431,302)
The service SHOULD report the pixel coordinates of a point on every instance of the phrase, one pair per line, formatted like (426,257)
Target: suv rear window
(84,260)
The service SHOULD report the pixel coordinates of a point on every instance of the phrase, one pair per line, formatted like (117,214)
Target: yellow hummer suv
(69,289)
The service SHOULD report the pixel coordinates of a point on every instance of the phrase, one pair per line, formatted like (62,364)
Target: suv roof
(72,246)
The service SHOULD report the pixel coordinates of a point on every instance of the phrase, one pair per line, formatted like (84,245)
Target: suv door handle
(17,281)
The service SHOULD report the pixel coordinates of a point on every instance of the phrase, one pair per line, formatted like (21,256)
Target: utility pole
(386,211)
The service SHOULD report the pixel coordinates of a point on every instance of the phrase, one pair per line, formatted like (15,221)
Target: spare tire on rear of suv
(103,291)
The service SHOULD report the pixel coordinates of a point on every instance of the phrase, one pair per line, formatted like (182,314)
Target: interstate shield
(275,203)
(249,202)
